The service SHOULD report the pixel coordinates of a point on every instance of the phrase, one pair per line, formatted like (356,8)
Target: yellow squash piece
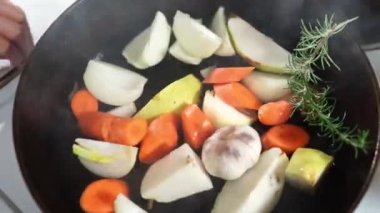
(172,98)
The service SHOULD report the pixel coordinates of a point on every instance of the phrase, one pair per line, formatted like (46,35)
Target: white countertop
(41,13)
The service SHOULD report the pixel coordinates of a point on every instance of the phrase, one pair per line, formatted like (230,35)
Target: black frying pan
(44,127)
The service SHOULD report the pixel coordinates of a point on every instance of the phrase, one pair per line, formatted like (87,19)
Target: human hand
(15,39)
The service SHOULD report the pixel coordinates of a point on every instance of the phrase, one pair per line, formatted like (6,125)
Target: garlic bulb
(231,151)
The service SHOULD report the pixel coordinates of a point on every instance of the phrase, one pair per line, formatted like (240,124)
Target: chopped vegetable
(128,131)
(105,159)
(219,27)
(100,195)
(258,190)
(274,113)
(112,84)
(196,126)
(231,151)
(83,101)
(256,48)
(162,137)
(267,86)
(288,137)
(194,37)
(124,205)
(237,95)
(206,71)
(177,52)
(223,75)
(306,167)
(124,111)
(222,114)
(150,46)
(178,175)
(173,98)
(96,125)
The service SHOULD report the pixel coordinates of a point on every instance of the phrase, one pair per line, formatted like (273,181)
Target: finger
(12,12)
(14,55)
(9,29)
(4,46)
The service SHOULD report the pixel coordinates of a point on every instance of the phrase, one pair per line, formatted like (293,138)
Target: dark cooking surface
(45,129)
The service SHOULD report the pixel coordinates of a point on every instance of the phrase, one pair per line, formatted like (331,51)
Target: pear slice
(172,98)
(222,114)
(177,175)
(105,159)
(123,204)
(177,52)
(306,167)
(150,46)
(194,38)
(258,49)
(219,27)
(258,190)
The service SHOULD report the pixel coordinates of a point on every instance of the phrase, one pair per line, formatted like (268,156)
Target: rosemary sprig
(312,51)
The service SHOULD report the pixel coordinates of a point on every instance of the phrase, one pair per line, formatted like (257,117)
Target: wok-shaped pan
(44,127)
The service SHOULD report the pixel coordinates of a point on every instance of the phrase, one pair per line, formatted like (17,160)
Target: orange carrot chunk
(83,101)
(223,75)
(288,137)
(96,125)
(162,138)
(237,95)
(128,131)
(274,113)
(99,196)
(196,126)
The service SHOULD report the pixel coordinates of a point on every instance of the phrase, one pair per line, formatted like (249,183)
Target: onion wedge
(150,46)
(177,52)
(112,84)
(194,38)
(219,27)
(105,159)
(124,111)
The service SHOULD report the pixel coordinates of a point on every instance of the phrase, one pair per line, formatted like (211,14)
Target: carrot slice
(83,101)
(96,124)
(196,126)
(99,196)
(288,137)
(237,95)
(223,75)
(274,113)
(162,137)
(128,131)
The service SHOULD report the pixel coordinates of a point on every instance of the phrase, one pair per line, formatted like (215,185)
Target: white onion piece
(112,84)
(124,158)
(194,38)
(206,71)
(222,114)
(219,27)
(124,205)
(177,52)
(125,111)
(150,46)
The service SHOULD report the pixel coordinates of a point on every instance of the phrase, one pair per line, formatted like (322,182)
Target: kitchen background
(14,195)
